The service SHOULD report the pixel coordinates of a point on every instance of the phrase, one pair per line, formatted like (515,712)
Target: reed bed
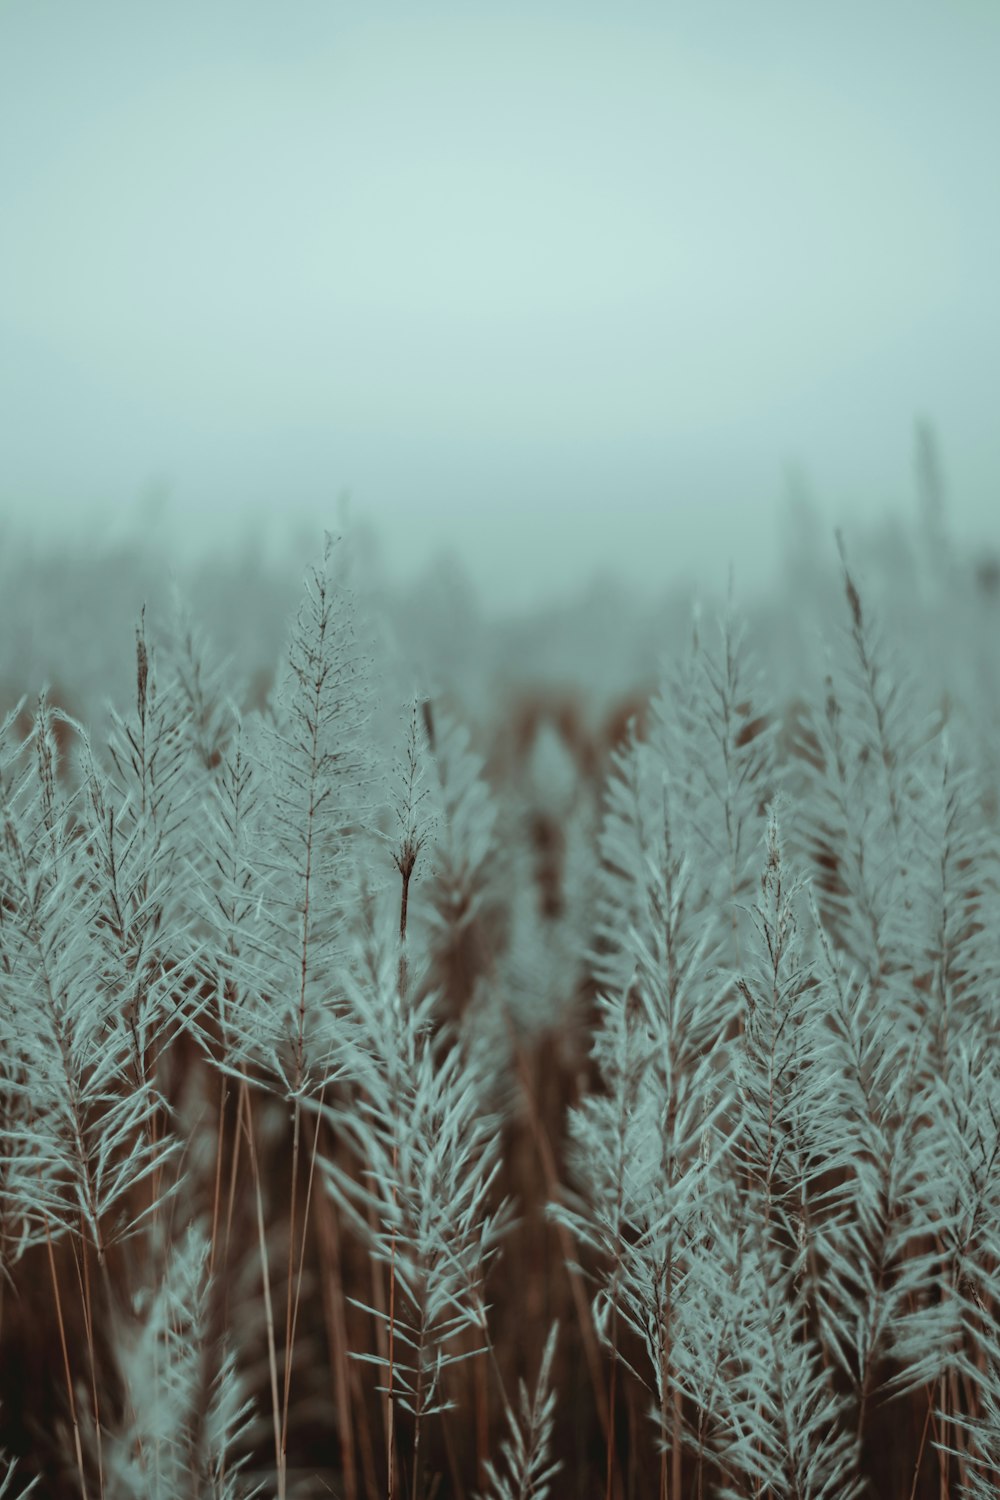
(400,1103)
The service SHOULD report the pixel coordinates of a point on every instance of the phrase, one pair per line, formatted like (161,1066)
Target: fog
(563,290)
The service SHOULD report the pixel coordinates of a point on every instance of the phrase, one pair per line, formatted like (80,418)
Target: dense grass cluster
(381,1115)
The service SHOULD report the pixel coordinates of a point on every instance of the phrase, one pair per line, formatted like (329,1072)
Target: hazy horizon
(558,293)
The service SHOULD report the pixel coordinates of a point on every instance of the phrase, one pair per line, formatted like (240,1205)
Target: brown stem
(77,1445)
(332,1289)
(390,1415)
(482,1418)
(544,1148)
(88,1323)
(272,1357)
(217,1192)
(675,1451)
(290,1296)
(923,1441)
(609,1473)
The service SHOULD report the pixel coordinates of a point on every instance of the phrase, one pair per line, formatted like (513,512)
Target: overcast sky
(561,286)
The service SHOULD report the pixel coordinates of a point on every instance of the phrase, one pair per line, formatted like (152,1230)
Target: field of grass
(438,1068)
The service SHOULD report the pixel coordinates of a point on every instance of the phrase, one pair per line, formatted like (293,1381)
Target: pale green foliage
(311,766)
(184,1404)
(784,1187)
(78,1099)
(421,1199)
(527,1470)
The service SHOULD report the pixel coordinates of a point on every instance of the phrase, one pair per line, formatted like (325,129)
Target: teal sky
(562,287)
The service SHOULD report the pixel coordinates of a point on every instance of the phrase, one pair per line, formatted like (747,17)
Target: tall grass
(383,1114)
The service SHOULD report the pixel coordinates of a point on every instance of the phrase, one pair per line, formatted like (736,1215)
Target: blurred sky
(565,287)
